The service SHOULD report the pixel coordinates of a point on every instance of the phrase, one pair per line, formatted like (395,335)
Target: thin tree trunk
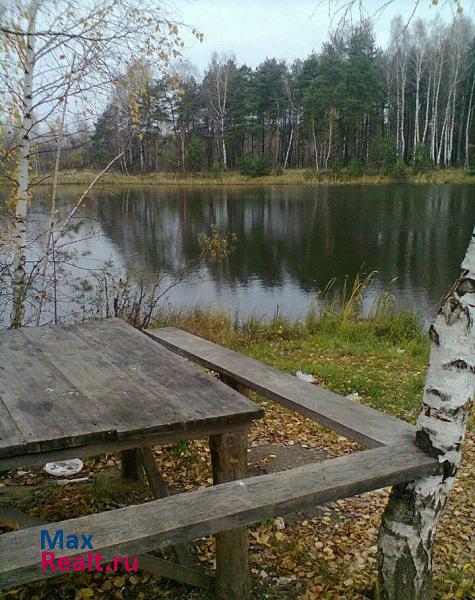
(426,121)
(19,259)
(223,146)
(451,130)
(467,126)
(327,159)
(315,149)
(288,148)
(403,105)
(182,147)
(54,193)
(417,104)
(413,511)
(435,110)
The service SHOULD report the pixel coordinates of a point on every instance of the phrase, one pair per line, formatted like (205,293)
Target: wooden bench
(357,422)
(177,519)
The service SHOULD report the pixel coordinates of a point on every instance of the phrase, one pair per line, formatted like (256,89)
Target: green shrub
(382,154)
(399,171)
(254,167)
(194,153)
(421,162)
(216,170)
(355,168)
(278,170)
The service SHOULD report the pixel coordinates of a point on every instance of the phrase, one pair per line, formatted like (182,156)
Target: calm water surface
(291,240)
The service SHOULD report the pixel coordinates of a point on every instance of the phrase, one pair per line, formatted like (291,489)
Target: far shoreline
(292,177)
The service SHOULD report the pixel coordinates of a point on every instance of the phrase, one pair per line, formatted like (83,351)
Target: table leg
(131,467)
(229,460)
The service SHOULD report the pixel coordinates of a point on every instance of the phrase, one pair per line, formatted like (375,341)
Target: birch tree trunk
(467,126)
(315,149)
(435,109)
(403,103)
(413,511)
(417,107)
(289,147)
(426,120)
(19,259)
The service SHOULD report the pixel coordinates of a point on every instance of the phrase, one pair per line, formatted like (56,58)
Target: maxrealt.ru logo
(92,561)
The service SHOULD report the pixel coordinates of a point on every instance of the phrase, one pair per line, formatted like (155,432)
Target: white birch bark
(403,66)
(426,120)
(288,148)
(315,148)
(435,108)
(413,511)
(291,120)
(445,134)
(218,104)
(19,259)
(330,131)
(468,122)
(417,108)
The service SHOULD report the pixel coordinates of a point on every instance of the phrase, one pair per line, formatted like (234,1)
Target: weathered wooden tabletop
(104,382)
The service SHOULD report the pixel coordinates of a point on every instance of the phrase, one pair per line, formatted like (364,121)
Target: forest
(352,105)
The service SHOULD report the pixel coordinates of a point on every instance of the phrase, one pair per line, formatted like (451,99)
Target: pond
(290,240)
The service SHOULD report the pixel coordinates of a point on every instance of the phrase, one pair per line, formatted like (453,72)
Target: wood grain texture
(194,431)
(183,517)
(15,519)
(229,462)
(351,419)
(102,382)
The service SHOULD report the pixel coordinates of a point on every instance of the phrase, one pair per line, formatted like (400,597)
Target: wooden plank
(229,461)
(95,449)
(16,519)
(351,419)
(29,387)
(105,381)
(137,529)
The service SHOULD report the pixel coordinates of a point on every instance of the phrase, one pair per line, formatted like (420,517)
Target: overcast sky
(286,29)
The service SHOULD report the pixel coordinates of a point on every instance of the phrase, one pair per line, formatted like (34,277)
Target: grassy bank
(383,359)
(327,552)
(289,177)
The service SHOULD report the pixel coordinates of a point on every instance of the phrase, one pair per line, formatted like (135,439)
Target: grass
(288,177)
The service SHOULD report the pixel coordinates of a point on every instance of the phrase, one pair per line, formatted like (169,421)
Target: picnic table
(86,390)
(105,387)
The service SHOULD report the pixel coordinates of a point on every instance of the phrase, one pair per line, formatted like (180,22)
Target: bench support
(159,489)
(229,461)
